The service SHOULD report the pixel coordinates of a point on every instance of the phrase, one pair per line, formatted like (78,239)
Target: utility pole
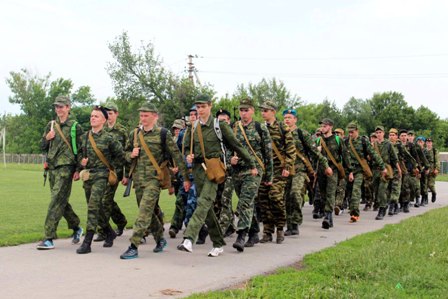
(190,68)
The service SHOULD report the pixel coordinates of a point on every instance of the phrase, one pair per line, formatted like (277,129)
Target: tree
(391,110)
(359,111)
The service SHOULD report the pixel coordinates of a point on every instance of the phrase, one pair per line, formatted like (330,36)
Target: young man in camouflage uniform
(394,187)
(147,183)
(328,183)
(408,165)
(432,155)
(111,208)
(270,196)
(363,150)
(369,192)
(204,213)
(422,166)
(420,142)
(258,144)
(384,148)
(61,161)
(296,186)
(340,202)
(95,176)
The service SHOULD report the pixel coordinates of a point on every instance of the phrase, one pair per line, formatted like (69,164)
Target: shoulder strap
(277,153)
(201,140)
(98,152)
(249,145)
(258,128)
(150,155)
(324,146)
(355,153)
(58,129)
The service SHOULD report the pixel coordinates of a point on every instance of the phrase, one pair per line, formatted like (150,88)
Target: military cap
(202,99)
(269,105)
(179,124)
(428,139)
(373,135)
(62,101)
(393,130)
(193,108)
(223,111)
(352,126)
(326,121)
(246,103)
(421,138)
(403,131)
(379,128)
(147,107)
(111,106)
(410,132)
(340,131)
(290,111)
(102,109)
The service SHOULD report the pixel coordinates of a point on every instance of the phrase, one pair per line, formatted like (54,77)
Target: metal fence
(24,158)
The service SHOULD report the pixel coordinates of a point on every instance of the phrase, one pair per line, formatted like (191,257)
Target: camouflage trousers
(246,188)
(355,186)
(369,191)
(204,212)
(394,188)
(424,184)
(405,188)
(380,189)
(94,189)
(432,183)
(294,198)
(111,208)
(226,216)
(340,194)
(60,188)
(272,205)
(149,213)
(415,187)
(327,188)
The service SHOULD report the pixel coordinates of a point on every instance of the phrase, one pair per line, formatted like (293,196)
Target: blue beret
(290,111)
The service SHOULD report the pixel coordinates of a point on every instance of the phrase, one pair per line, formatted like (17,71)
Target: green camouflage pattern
(315,155)
(226,216)
(294,198)
(246,188)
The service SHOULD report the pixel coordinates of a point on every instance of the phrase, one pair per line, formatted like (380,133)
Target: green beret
(379,128)
(246,103)
(62,101)
(111,106)
(269,105)
(327,121)
(290,111)
(352,126)
(147,107)
(202,99)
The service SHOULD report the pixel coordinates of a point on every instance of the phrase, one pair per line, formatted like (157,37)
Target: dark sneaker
(77,235)
(120,230)
(129,254)
(160,245)
(45,245)
(172,232)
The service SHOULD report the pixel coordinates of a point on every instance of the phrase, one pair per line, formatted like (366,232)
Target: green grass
(406,260)
(24,202)
(442,178)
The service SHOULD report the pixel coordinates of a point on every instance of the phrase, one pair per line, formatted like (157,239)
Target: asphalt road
(61,273)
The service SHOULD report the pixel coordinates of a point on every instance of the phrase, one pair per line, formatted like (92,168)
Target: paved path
(61,273)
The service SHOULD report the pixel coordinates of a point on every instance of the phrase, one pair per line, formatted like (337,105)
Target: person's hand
(190,158)
(135,152)
(50,135)
(267,183)
(436,172)
(175,170)
(328,171)
(254,171)
(76,176)
(171,191)
(125,181)
(234,160)
(351,177)
(384,172)
(84,162)
(285,173)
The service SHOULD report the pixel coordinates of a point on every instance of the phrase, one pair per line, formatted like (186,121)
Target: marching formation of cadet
(271,167)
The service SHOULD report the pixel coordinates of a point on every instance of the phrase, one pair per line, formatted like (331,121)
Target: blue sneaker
(131,253)
(77,235)
(45,245)
(160,245)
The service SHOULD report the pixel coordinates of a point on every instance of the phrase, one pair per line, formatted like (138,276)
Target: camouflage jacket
(337,150)
(261,145)
(58,153)
(417,152)
(284,140)
(144,170)
(365,151)
(105,142)
(405,158)
(212,144)
(433,158)
(388,154)
(307,148)
(119,133)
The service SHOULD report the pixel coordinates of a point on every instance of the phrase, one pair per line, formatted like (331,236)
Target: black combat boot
(396,209)
(294,230)
(417,201)
(253,239)
(85,246)
(381,213)
(203,233)
(326,224)
(110,237)
(391,209)
(433,197)
(423,201)
(426,199)
(316,212)
(280,236)
(406,207)
(267,237)
(240,240)
(288,231)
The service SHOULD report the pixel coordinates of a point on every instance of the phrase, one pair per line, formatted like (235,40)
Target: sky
(331,50)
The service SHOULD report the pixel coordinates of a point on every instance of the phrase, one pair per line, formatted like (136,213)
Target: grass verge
(405,260)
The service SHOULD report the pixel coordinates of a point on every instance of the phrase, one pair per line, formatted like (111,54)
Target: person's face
(379,135)
(393,137)
(97,119)
(325,128)
(404,137)
(224,117)
(429,144)
(193,116)
(267,114)
(62,110)
(148,118)
(373,139)
(112,116)
(290,120)
(176,131)
(421,143)
(246,114)
(204,110)
(410,138)
(353,134)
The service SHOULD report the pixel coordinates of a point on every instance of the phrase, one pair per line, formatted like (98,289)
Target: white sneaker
(216,251)
(186,245)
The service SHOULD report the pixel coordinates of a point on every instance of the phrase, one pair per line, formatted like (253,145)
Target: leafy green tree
(391,110)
